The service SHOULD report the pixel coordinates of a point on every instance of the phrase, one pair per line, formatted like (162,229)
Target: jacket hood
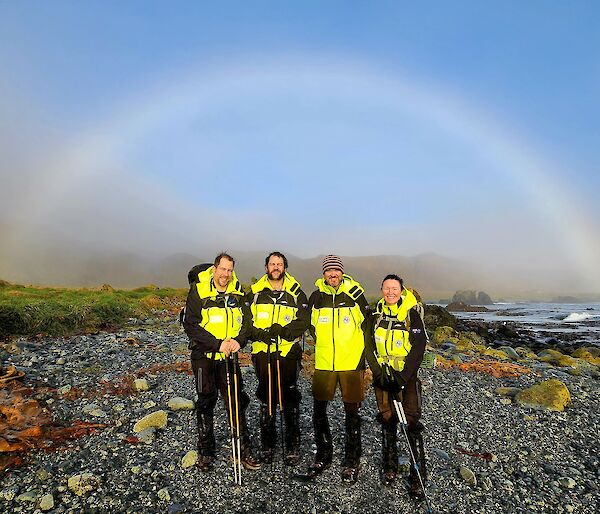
(408,302)
(206,286)
(288,284)
(347,283)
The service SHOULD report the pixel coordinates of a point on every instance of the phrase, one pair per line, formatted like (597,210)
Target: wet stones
(141,384)
(189,459)
(468,476)
(179,403)
(83,484)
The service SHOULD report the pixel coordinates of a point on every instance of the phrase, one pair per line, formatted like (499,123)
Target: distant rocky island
(471,297)
(469,301)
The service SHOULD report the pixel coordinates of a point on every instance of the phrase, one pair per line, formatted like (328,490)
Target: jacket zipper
(333,331)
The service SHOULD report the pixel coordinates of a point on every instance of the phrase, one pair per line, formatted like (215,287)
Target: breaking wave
(578,316)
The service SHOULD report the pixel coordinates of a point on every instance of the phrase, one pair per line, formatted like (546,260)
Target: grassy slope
(26,310)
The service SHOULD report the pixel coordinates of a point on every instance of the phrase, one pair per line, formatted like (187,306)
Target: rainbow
(195,91)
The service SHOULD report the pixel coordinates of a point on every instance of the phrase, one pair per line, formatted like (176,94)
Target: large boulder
(550,394)
(557,358)
(437,316)
(588,354)
(443,335)
(462,340)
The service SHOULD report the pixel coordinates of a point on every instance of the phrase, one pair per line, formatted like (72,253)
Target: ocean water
(576,320)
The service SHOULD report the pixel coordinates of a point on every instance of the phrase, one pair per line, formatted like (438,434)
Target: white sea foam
(577,316)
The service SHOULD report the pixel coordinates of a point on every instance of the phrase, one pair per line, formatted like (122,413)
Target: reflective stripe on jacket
(222,314)
(269,307)
(336,318)
(391,331)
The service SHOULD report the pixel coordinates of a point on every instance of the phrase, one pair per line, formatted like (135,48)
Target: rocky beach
(104,422)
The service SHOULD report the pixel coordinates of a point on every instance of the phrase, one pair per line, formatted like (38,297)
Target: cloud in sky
(310,152)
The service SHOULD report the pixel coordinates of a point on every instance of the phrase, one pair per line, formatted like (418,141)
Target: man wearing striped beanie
(338,317)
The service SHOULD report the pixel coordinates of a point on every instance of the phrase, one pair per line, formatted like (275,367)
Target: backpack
(195,271)
(193,280)
(420,309)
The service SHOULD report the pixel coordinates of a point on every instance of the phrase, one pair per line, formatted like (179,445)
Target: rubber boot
(323,440)
(416,443)
(352,448)
(292,435)
(206,439)
(268,435)
(389,454)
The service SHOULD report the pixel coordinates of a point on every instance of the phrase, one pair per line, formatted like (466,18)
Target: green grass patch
(27,310)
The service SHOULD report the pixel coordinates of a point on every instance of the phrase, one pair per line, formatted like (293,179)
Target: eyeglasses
(391,289)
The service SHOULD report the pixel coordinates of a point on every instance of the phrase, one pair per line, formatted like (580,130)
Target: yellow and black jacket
(211,316)
(398,337)
(338,325)
(287,308)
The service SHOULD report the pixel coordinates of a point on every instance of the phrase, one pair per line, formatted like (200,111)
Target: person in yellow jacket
(279,319)
(394,353)
(217,322)
(339,314)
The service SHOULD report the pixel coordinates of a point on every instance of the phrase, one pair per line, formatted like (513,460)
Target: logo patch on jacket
(287,318)
(346,319)
(239,320)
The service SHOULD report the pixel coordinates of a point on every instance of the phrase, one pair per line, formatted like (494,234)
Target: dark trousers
(410,399)
(288,371)
(210,378)
(411,403)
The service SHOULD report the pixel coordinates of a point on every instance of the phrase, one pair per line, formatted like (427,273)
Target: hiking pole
(230,409)
(237,416)
(404,424)
(269,374)
(270,395)
(280,399)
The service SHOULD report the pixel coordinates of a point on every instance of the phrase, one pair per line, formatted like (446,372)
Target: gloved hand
(275,330)
(389,380)
(260,334)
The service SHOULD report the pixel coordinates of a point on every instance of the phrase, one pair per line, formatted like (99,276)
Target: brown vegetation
(25,424)
(491,367)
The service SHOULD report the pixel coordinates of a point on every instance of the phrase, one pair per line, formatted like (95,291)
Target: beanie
(332,262)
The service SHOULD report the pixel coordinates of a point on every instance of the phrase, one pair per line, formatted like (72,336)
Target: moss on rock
(587,354)
(557,358)
(497,354)
(550,394)
(156,419)
(444,334)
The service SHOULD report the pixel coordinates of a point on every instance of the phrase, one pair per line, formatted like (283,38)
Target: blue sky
(468,129)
